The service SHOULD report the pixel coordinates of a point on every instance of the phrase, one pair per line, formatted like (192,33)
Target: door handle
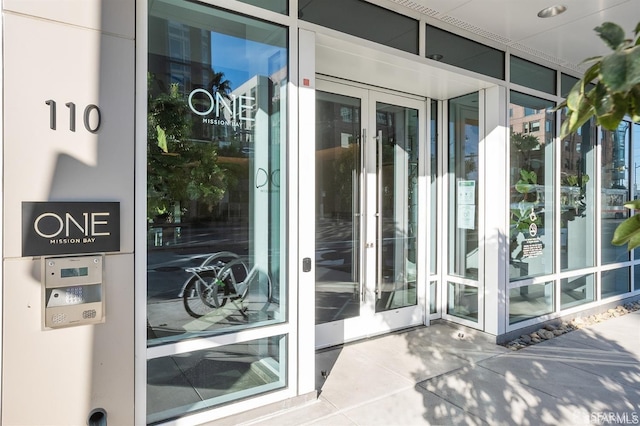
(379,217)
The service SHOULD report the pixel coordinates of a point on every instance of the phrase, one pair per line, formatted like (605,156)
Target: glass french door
(369,180)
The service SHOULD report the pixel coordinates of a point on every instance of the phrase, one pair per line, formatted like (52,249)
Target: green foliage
(179,169)
(628,232)
(527,182)
(616,92)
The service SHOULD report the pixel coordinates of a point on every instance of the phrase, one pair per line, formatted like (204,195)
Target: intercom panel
(73,292)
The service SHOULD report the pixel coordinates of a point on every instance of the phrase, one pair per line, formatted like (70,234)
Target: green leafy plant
(616,91)
(615,94)
(628,232)
(179,169)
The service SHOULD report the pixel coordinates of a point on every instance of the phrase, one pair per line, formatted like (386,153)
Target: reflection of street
(338,275)
(166,276)
(337,288)
(166,264)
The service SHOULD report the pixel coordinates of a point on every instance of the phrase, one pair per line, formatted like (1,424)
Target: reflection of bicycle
(221,278)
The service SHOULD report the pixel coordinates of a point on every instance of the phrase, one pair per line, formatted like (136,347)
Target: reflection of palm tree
(217,83)
(524,144)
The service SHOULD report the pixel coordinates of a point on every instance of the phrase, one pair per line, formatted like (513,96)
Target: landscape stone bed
(560,327)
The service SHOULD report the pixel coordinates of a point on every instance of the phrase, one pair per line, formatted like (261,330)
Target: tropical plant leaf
(162,139)
(611,33)
(591,74)
(615,112)
(628,232)
(524,188)
(633,204)
(620,71)
(616,93)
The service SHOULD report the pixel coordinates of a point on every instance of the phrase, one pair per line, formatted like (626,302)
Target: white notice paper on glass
(466,204)
(466,192)
(466,216)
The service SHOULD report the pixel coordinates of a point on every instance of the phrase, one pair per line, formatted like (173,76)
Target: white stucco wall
(79,51)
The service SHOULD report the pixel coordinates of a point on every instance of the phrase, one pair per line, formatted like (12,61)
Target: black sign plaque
(70,227)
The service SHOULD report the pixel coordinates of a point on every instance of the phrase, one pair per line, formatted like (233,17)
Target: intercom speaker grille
(59,318)
(90,314)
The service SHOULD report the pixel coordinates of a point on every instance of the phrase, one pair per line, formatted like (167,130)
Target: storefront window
(615,282)
(215,170)
(530,301)
(577,291)
(530,74)
(365,20)
(577,199)
(186,383)
(531,186)
(464,183)
(615,189)
(458,51)
(215,205)
(463,301)
(434,231)
(338,210)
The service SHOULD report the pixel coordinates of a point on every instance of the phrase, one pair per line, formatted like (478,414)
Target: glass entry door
(368,152)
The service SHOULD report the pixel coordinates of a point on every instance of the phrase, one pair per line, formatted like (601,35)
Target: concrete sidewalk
(445,375)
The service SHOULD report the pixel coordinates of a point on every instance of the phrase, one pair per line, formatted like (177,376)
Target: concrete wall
(79,51)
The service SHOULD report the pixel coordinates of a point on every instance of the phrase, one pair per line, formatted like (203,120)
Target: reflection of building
(530,125)
(615,152)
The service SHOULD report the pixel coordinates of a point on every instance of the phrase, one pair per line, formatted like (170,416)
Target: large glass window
(464,53)
(615,189)
(215,202)
(364,20)
(280,6)
(463,301)
(530,301)
(215,149)
(530,74)
(185,383)
(338,214)
(464,183)
(577,198)
(577,291)
(434,232)
(532,188)
(615,282)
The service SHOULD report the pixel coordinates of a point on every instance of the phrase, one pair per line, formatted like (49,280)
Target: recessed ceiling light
(436,57)
(552,11)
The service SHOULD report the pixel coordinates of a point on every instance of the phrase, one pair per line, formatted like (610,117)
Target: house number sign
(89,111)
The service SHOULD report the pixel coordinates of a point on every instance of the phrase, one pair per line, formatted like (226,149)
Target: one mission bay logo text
(59,229)
(217,109)
(70,227)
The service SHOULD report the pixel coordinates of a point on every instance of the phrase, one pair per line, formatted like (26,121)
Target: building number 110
(91,128)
